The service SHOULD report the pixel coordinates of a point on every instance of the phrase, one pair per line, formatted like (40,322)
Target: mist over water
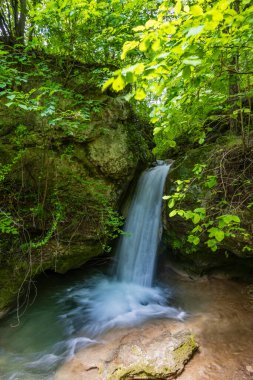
(77,315)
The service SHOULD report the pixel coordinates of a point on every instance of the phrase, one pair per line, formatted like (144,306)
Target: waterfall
(136,251)
(128,298)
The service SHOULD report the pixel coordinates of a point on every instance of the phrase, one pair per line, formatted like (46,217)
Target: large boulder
(150,352)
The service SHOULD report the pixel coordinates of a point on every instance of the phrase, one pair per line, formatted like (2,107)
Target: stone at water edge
(162,358)
(134,356)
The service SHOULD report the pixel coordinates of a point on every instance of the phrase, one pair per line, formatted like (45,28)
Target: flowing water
(136,250)
(74,312)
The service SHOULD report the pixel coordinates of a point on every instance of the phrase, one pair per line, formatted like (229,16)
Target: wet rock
(139,354)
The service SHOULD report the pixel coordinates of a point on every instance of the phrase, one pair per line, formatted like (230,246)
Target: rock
(111,154)
(78,174)
(152,352)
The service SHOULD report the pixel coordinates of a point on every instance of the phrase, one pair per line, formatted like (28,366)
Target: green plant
(211,224)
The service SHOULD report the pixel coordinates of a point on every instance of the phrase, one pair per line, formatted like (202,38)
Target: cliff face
(62,181)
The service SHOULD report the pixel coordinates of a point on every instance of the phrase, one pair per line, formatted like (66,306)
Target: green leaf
(171,203)
(196,10)
(118,83)
(140,94)
(11,97)
(139,28)
(107,84)
(193,239)
(178,7)
(212,244)
(211,181)
(196,218)
(156,46)
(157,130)
(172,143)
(138,68)
(195,30)
(151,24)
(192,61)
(129,45)
(217,233)
(200,210)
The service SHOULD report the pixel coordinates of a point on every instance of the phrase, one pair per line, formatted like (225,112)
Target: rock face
(63,190)
(147,353)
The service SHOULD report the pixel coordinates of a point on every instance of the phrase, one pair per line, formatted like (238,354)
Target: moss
(77,255)
(149,369)
(141,371)
(185,351)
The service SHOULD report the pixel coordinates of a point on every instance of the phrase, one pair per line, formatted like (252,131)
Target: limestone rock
(135,355)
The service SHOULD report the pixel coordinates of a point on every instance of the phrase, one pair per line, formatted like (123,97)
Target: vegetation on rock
(66,158)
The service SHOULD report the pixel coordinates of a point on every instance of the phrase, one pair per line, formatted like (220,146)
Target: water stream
(136,251)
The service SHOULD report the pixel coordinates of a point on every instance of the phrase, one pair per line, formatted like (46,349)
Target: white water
(77,315)
(136,252)
(128,298)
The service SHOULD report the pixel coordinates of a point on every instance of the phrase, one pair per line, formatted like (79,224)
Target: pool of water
(71,311)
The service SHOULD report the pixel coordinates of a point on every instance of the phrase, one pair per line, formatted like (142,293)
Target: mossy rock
(151,352)
(86,173)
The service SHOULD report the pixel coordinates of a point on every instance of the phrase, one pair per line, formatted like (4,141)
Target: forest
(119,119)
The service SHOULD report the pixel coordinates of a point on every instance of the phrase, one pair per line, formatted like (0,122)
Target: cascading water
(79,313)
(128,299)
(136,252)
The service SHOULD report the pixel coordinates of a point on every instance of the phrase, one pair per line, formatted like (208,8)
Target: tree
(194,64)
(13,15)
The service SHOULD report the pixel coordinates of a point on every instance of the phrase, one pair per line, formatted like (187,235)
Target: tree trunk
(13,15)
(234,87)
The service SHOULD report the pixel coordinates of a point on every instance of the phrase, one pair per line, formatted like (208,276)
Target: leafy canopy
(190,63)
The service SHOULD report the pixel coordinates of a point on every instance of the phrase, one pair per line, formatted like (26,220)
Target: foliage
(194,61)
(90,31)
(224,200)
(193,65)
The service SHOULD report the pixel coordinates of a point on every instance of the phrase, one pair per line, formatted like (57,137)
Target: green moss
(77,256)
(185,351)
